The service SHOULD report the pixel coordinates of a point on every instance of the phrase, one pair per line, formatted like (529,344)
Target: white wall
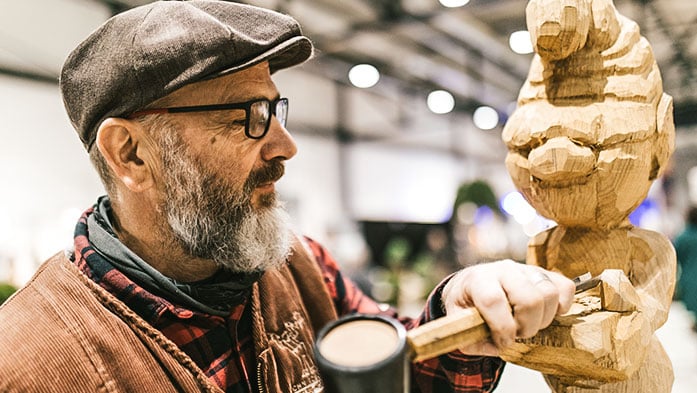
(45,174)
(312,187)
(37,35)
(398,184)
(405,165)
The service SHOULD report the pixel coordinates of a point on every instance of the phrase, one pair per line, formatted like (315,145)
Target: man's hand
(514,299)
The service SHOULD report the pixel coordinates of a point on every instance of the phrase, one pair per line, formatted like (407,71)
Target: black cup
(386,374)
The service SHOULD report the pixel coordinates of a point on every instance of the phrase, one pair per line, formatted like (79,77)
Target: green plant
(478,192)
(6,290)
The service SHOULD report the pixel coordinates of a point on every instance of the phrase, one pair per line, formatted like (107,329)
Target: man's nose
(278,143)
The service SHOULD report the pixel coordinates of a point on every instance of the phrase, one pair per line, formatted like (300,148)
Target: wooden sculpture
(592,131)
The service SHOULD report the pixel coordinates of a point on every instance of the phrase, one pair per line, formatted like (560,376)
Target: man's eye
(260,120)
(236,123)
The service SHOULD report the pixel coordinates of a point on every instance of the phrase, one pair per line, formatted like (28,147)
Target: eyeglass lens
(260,117)
(281,111)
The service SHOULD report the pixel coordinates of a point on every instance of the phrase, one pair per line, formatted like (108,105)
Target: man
(187,277)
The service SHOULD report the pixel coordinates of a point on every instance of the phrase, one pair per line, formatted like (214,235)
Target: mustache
(271,172)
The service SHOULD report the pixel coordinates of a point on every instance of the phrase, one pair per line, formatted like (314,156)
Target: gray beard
(212,221)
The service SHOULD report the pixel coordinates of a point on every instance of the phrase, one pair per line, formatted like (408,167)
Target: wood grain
(592,131)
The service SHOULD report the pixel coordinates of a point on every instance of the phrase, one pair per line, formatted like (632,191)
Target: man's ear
(128,151)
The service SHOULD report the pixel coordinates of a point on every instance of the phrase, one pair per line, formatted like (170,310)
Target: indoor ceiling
(465,50)
(418,44)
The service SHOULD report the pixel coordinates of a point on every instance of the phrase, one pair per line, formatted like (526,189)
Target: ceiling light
(520,42)
(453,3)
(485,118)
(440,101)
(364,75)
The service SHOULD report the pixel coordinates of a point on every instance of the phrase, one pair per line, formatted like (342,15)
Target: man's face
(218,185)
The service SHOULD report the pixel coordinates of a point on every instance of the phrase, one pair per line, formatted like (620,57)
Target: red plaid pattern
(222,346)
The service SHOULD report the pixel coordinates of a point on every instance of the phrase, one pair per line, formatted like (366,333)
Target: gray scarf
(216,295)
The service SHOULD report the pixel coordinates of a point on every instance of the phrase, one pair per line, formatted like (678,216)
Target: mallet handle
(447,334)
(467,327)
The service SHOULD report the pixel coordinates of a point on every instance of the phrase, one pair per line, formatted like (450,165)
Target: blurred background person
(686,250)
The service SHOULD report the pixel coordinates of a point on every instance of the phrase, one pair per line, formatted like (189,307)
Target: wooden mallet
(371,353)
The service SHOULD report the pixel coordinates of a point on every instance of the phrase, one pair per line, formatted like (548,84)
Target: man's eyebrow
(229,99)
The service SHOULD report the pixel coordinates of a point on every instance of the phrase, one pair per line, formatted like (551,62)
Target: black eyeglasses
(257,113)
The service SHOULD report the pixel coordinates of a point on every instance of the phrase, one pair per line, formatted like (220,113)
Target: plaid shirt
(222,346)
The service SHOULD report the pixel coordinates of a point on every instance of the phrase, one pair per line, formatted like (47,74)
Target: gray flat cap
(145,53)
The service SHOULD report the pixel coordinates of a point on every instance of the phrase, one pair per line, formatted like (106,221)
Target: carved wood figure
(592,131)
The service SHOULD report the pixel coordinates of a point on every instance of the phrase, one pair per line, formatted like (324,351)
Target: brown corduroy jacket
(64,333)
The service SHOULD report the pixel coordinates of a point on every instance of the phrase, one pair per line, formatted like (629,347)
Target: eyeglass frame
(247,106)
